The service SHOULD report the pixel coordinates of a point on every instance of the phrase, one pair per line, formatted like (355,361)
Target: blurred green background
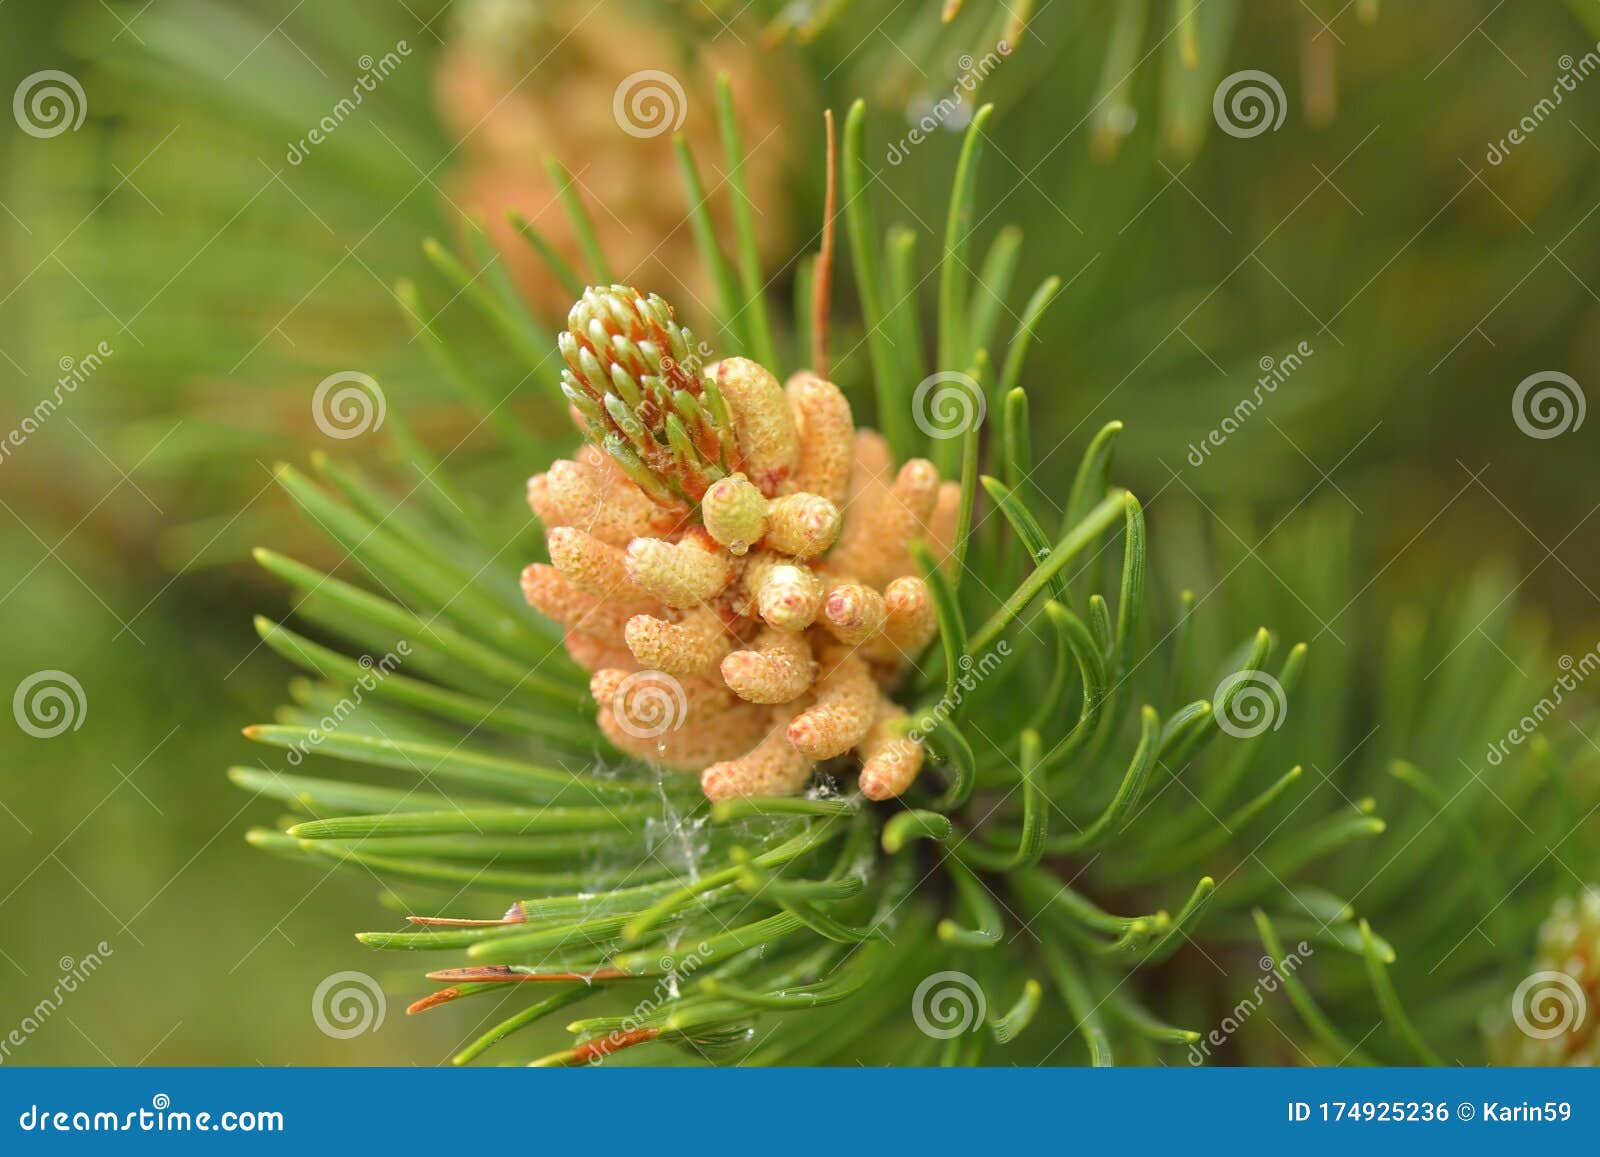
(1378,226)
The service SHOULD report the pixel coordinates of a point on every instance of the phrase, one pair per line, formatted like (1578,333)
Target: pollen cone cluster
(731,559)
(518,79)
(1555,1012)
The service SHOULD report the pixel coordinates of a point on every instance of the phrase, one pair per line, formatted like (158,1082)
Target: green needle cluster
(1112,850)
